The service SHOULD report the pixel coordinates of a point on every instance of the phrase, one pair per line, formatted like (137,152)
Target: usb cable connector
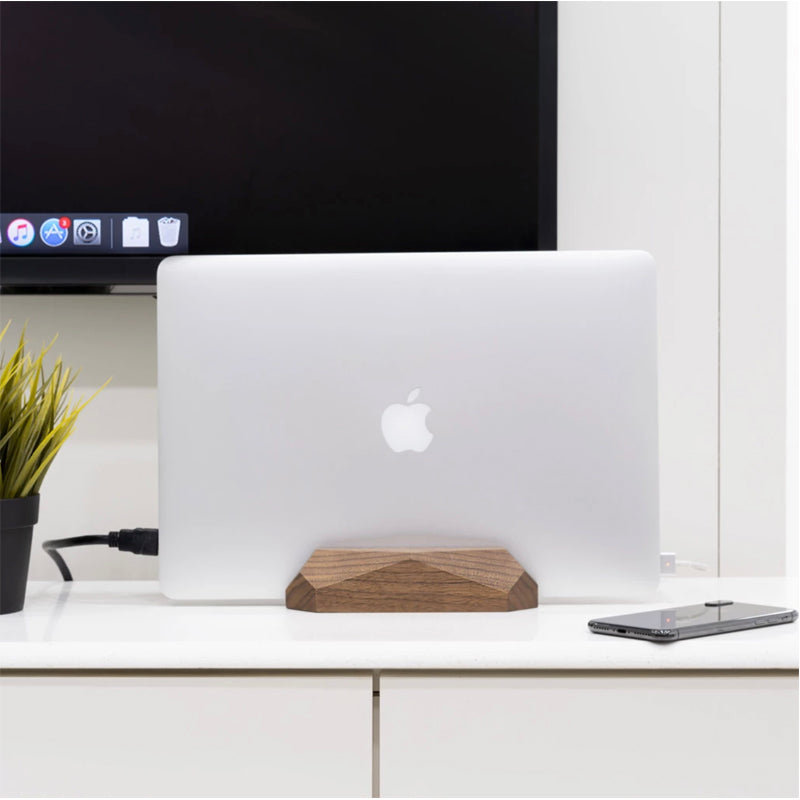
(140,541)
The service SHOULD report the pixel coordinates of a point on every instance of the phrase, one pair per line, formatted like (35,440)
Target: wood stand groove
(424,579)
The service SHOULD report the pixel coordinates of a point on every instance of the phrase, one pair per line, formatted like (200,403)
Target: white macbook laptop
(408,399)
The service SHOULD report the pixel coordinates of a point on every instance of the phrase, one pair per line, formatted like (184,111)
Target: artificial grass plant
(37,416)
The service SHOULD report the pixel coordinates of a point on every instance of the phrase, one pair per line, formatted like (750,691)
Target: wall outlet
(668,564)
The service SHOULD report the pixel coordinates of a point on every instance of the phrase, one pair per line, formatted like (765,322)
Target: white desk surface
(129,625)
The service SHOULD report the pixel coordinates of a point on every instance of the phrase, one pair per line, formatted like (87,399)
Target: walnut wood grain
(430,579)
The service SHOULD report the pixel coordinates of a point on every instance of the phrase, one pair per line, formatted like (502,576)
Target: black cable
(141,541)
(51,548)
(60,563)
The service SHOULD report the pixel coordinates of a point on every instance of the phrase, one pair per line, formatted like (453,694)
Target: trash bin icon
(169,229)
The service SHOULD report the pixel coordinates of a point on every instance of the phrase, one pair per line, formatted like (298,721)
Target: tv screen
(131,131)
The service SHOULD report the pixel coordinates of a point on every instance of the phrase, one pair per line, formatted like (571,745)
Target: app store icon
(53,233)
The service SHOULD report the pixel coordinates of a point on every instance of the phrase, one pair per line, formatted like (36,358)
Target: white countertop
(129,625)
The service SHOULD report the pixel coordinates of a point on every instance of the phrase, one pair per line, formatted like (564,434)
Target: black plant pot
(17,518)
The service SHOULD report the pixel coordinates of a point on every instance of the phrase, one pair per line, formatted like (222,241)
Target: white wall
(106,476)
(753,288)
(793,288)
(673,138)
(638,168)
(639,158)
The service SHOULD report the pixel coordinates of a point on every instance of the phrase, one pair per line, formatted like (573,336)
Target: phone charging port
(621,630)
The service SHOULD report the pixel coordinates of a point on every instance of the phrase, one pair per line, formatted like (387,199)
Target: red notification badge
(65,222)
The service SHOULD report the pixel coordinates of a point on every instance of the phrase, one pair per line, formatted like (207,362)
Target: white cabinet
(496,734)
(185,734)
(589,734)
(108,690)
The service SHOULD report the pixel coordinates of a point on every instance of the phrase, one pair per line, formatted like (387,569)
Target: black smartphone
(687,622)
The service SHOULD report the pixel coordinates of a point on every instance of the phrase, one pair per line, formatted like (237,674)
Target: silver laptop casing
(539,370)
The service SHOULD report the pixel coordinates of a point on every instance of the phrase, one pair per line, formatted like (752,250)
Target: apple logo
(404,427)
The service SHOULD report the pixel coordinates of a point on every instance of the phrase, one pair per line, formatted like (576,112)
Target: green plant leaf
(37,415)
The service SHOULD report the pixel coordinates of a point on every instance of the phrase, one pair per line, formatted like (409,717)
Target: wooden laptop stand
(418,579)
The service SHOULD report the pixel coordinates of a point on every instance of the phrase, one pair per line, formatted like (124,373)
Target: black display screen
(274,128)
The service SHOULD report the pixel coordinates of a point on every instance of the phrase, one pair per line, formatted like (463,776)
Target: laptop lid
(407,399)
